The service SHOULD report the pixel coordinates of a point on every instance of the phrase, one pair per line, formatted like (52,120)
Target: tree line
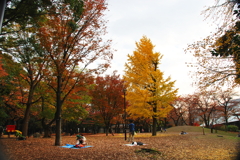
(52,60)
(53,56)
(206,108)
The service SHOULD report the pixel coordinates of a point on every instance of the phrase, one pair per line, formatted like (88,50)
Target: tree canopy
(148,93)
(51,40)
(217,59)
(107,98)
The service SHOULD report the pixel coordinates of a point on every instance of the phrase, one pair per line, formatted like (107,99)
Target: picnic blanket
(73,146)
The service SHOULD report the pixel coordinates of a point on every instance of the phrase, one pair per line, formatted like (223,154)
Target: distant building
(233,115)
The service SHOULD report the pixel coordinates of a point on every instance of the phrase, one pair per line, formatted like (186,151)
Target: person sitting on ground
(84,139)
(137,143)
(81,140)
(182,133)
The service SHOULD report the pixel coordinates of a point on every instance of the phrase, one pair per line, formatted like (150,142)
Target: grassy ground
(165,146)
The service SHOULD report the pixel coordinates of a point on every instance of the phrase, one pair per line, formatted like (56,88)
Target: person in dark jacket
(131,131)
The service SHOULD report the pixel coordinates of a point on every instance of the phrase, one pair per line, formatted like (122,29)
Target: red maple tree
(107,99)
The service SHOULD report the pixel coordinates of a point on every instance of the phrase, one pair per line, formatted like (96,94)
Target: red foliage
(108,100)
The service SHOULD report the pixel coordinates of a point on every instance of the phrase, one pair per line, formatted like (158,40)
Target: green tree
(73,108)
(149,94)
(228,47)
(23,12)
(26,51)
(11,93)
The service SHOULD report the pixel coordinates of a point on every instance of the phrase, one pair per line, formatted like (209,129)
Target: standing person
(131,131)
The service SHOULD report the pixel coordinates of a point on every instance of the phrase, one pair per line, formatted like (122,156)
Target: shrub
(222,128)
(232,128)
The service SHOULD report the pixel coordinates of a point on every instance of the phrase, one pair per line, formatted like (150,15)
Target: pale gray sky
(170,24)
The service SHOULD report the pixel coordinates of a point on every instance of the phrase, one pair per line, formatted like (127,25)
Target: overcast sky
(170,24)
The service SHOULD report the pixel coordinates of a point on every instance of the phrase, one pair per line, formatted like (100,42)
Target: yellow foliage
(149,94)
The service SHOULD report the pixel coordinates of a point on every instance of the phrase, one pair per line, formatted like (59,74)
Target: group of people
(132,131)
(81,140)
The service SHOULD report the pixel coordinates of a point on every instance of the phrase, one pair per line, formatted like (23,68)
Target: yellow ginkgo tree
(148,93)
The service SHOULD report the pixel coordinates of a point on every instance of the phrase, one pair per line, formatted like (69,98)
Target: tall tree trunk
(58,111)
(25,121)
(58,130)
(165,123)
(107,128)
(46,127)
(154,129)
(27,113)
(226,121)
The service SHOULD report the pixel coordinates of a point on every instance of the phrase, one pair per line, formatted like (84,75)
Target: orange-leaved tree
(177,113)
(206,105)
(12,95)
(191,116)
(107,98)
(149,94)
(71,37)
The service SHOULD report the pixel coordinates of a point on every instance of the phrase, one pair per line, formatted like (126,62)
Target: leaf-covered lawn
(167,146)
